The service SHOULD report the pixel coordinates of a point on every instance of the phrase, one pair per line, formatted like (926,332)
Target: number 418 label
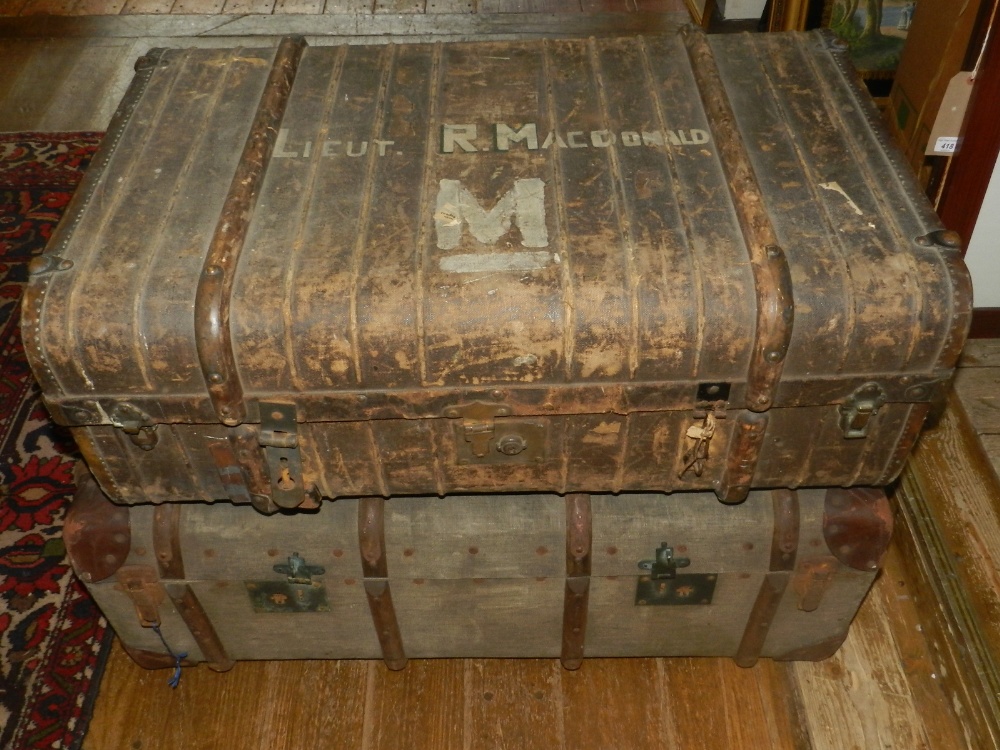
(945,145)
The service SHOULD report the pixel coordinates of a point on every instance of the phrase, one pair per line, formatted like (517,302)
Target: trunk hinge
(859,408)
(279,438)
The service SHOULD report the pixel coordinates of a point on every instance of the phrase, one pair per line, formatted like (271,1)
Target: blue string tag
(175,678)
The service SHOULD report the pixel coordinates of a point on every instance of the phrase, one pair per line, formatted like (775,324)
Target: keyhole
(285,481)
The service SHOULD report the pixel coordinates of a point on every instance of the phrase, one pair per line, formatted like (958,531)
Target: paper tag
(945,145)
(948,123)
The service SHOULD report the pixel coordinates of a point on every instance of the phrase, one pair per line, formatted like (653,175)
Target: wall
(983,256)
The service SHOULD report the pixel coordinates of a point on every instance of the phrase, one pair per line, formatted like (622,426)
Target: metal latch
(477,423)
(858,410)
(297,593)
(482,440)
(665,586)
(298,571)
(665,565)
(135,423)
(141,584)
(279,438)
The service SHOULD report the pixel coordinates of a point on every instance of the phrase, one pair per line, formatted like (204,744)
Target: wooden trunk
(642,264)
(780,576)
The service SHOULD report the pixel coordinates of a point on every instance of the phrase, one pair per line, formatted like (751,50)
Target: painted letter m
(523,205)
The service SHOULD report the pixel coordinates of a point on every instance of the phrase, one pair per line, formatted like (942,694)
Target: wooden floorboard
(182,24)
(880,690)
(36,86)
(978,388)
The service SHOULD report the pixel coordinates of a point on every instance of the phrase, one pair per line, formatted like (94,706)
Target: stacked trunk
(625,274)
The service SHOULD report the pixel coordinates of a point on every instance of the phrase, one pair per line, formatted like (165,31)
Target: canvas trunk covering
(644,264)
(780,575)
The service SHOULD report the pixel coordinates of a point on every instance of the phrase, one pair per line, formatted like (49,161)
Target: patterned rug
(52,638)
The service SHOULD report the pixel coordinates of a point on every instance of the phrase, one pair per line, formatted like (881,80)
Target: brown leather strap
(371,537)
(784,547)
(167,540)
(214,293)
(772,278)
(743,454)
(579,536)
(189,608)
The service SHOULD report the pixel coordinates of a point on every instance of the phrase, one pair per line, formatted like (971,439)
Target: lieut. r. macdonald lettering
(473,138)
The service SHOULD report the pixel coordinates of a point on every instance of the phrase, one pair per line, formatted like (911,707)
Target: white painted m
(524,205)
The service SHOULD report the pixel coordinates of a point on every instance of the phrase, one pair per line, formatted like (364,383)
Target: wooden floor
(899,681)
(978,388)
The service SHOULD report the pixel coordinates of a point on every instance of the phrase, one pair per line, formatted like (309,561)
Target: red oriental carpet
(52,638)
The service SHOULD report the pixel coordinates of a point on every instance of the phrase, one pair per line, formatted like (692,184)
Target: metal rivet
(497,395)
(774,356)
(948,238)
(214,378)
(213,271)
(65,265)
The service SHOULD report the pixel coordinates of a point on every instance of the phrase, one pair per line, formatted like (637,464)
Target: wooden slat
(419,707)
(529,6)
(86,94)
(33,93)
(399,6)
(345,8)
(17,55)
(146,7)
(11,7)
(614,703)
(513,704)
(48,7)
(712,703)
(894,596)
(182,22)
(862,691)
(97,7)
(202,7)
(981,353)
(633,6)
(991,444)
(237,7)
(979,390)
(450,6)
(254,700)
(299,6)
(951,537)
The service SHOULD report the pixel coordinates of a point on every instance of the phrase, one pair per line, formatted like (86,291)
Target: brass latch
(483,440)
(141,584)
(279,438)
(477,423)
(858,410)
